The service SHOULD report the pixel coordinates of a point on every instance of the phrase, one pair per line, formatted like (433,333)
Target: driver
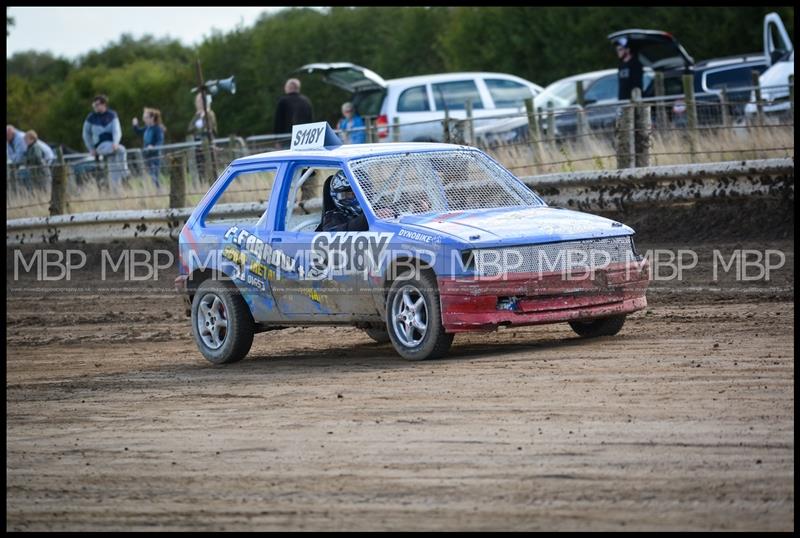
(347,215)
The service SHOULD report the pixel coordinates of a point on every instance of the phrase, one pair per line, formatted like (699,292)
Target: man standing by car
(293,108)
(631,71)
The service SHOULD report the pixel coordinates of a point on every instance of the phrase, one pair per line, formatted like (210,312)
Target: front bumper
(483,304)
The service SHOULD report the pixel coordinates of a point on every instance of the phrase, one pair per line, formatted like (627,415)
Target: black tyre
(222,325)
(598,327)
(378,334)
(414,317)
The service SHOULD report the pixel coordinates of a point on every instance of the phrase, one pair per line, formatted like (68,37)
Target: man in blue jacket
(15,145)
(352,125)
(102,134)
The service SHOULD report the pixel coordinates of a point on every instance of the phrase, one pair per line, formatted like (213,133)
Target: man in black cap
(631,71)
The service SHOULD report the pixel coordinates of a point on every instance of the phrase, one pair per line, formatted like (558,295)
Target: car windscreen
(439,181)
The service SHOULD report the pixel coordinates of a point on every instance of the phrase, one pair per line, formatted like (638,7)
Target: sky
(73,31)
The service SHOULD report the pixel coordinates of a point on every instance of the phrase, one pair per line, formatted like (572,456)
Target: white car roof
(351,151)
(591,75)
(446,77)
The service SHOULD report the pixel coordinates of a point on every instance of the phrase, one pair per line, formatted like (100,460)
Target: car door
(777,44)
(602,102)
(414,110)
(452,95)
(313,281)
(227,234)
(506,97)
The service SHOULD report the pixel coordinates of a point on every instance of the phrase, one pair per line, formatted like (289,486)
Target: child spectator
(153,133)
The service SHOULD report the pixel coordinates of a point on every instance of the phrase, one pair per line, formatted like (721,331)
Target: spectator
(153,134)
(38,157)
(102,134)
(293,108)
(15,145)
(352,120)
(631,71)
(198,128)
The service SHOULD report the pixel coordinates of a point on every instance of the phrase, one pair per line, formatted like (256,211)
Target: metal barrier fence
(595,190)
(685,128)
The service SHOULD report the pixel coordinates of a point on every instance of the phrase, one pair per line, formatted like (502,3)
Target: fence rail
(605,189)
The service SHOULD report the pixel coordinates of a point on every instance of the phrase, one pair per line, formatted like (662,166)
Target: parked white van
(418,103)
(779,52)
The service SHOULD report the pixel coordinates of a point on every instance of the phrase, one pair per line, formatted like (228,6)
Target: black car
(734,74)
(660,51)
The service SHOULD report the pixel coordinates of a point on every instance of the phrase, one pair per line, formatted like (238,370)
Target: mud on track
(683,421)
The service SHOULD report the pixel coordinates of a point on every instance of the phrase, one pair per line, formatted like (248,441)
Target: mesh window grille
(439,181)
(558,257)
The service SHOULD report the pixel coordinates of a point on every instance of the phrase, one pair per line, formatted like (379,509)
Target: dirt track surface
(683,421)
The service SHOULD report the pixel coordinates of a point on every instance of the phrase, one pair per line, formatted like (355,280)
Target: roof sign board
(314,136)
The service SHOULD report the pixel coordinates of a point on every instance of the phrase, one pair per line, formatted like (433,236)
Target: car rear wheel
(598,327)
(414,318)
(222,325)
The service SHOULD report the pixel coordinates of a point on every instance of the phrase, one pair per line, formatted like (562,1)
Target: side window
(246,187)
(304,203)
(413,100)
(604,89)
(507,93)
(455,95)
(729,78)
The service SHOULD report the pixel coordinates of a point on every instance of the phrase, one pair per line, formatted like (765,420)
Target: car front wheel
(414,318)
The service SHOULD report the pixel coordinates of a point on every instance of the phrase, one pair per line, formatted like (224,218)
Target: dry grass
(668,147)
(586,153)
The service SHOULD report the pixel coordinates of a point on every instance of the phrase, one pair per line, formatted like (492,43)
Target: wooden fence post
(661,104)
(368,127)
(582,124)
(534,133)
(58,191)
(551,123)
(725,116)
(177,180)
(691,113)
(641,123)
(208,165)
(759,103)
(446,127)
(470,123)
(395,129)
(625,138)
(791,96)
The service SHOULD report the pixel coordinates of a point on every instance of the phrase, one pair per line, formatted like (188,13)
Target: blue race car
(412,242)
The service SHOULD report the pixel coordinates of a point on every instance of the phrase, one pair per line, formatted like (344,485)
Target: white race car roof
(350,151)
